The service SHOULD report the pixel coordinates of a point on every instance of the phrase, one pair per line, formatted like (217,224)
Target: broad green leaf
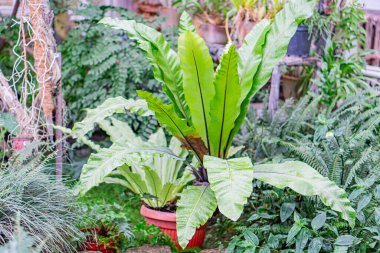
(319,221)
(251,237)
(277,40)
(165,61)
(185,23)
(198,76)
(293,232)
(286,211)
(153,183)
(195,206)
(231,180)
(303,179)
(119,132)
(106,109)
(101,164)
(315,245)
(301,240)
(225,104)
(166,115)
(345,240)
(363,202)
(250,55)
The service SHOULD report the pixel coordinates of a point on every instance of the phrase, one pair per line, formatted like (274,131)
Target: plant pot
(211,33)
(148,10)
(171,16)
(300,43)
(167,223)
(289,86)
(19,143)
(96,246)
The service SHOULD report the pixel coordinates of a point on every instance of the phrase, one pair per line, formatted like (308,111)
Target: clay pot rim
(157,215)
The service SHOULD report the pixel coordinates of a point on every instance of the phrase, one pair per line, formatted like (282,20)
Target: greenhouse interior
(210,126)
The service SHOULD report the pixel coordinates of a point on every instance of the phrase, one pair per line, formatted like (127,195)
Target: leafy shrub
(342,145)
(46,209)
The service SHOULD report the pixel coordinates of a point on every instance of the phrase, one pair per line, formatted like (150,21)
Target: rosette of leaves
(207,109)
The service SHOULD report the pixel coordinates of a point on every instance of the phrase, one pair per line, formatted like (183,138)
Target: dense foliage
(99,63)
(342,145)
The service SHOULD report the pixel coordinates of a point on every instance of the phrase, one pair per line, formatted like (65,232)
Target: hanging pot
(167,223)
(300,43)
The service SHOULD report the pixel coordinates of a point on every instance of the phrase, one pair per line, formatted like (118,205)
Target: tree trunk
(47,67)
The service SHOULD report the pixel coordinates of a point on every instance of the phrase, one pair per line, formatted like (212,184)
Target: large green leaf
(250,55)
(101,164)
(271,50)
(231,181)
(303,179)
(198,75)
(195,206)
(119,132)
(278,38)
(185,23)
(225,104)
(178,127)
(165,61)
(106,109)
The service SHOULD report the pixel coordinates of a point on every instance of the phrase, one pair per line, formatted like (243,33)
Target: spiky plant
(46,209)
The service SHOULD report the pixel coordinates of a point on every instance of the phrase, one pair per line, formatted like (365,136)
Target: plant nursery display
(235,126)
(205,119)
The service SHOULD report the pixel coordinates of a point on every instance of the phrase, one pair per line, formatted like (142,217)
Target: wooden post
(274,94)
(59,122)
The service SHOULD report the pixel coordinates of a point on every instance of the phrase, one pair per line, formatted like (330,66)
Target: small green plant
(208,108)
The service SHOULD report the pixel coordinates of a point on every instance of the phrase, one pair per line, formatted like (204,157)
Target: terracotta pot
(19,143)
(171,16)
(167,223)
(95,246)
(212,34)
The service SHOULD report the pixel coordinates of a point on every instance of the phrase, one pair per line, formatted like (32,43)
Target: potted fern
(207,109)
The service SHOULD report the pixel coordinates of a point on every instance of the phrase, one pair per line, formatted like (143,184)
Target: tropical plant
(46,208)
(206,117)
(156,178)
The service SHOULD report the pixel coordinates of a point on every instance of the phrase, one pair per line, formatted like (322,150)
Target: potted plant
(209,18)
(105,226)
(154,171)
(170,14)
(248,13)
(207,109)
